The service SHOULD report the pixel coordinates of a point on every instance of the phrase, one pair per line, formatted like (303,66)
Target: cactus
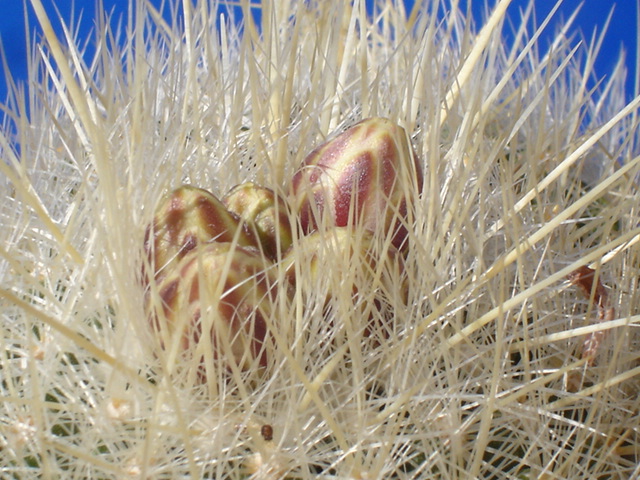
(186,217)
(266,216)
(532,188)
(367,175)
(219,292)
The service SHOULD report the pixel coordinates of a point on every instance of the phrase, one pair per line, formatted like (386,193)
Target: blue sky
(621,32)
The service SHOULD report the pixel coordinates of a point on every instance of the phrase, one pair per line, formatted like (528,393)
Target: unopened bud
(215,305)
(364,274)
(265,214)
(366,176)
(185,218)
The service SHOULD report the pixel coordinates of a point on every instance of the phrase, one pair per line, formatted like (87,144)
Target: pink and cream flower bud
(265,214)
(366,176)
(215,306)
(365,278)
(186,217)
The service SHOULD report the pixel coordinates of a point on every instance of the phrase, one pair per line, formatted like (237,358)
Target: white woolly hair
(523,247)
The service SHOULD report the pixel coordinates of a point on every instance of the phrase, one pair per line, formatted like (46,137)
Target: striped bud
(265,214)
(186,217)
(213,306)
(364,275)
(365,176)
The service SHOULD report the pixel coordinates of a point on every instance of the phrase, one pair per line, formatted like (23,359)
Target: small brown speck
(267,432)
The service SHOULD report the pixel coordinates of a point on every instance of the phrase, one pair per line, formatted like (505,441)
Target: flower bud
(366,176)
(186,217)
(265,214)
(219,294)
(363,276)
